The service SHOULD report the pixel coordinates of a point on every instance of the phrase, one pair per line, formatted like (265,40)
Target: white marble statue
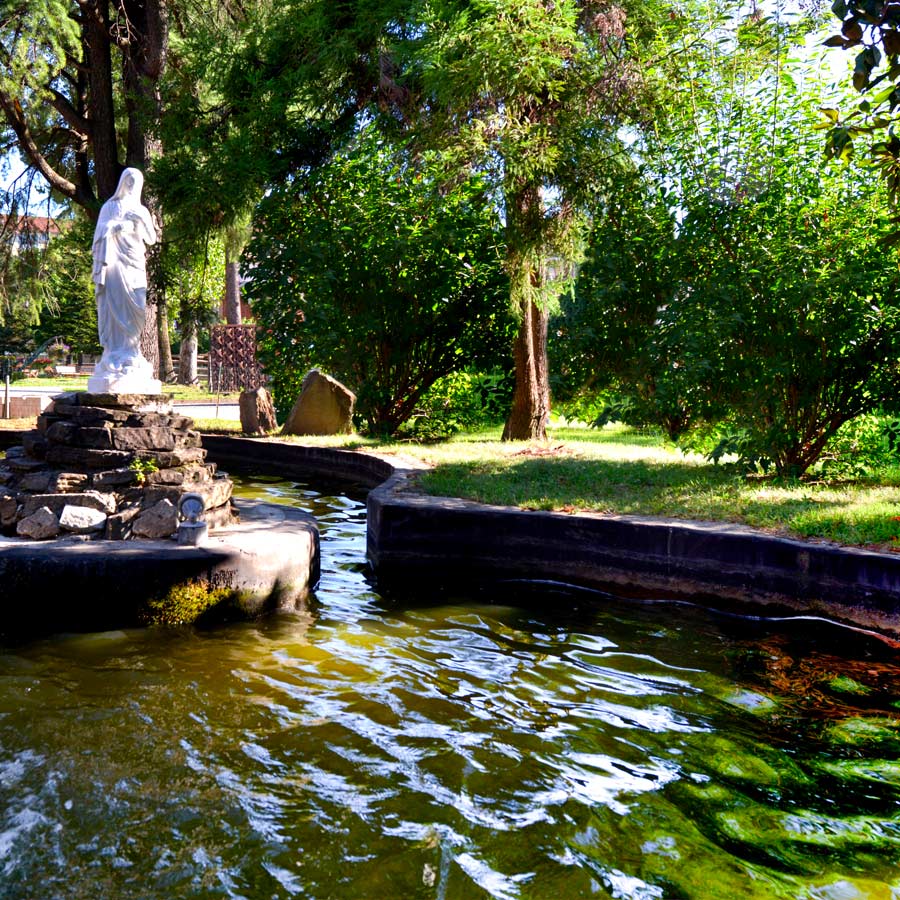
(120,284)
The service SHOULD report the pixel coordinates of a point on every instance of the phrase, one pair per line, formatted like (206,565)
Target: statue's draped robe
(120,278)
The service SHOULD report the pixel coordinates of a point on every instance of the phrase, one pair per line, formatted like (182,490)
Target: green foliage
(370,270)
(530,94)
(861,447)
(460,401)
(870,29)
(69,309)
(193,267)
(740,282)
(37,37)
(258,91)
(536,94)
(142,467)
(783,320)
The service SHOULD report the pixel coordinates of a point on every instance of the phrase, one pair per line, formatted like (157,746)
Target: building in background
(28,232)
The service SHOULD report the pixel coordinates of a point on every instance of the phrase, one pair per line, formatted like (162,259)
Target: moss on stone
(185,603)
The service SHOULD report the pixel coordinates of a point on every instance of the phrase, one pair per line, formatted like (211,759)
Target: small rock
(118,525)
(214,493)
(8,508)
(143,439)
(34,445)
(114,478)
(187,440)
(81,519)
(171,459)
(105,502)
(157,521)
(36,482)
(70,482)
(257,412)
(88,459)
(39,525)
(24,464)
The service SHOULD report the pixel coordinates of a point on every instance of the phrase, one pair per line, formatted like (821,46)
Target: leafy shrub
(461,401)
(373,271)
(780,316)
(863,446)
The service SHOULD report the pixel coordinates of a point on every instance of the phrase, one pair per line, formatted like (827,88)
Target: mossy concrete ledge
(269,560)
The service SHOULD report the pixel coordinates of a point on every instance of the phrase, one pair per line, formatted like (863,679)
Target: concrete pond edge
(457,543)
(450,543)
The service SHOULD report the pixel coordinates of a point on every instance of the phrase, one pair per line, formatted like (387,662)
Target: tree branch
(12,111)
(64,107)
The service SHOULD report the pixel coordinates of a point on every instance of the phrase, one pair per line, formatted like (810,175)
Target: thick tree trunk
(530,410)
(187,360)
(531,399)
(100,106)
(232,293)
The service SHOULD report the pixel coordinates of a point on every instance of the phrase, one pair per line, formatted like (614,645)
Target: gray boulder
(81,519)
(325,406)
(157,521)
(39,526)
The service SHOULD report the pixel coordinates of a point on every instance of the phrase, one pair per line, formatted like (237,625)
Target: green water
(546,745)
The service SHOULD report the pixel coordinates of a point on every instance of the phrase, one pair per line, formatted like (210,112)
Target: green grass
(179,392)
(217,426)
(618,470)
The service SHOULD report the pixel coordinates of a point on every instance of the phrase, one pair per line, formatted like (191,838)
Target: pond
(527,741)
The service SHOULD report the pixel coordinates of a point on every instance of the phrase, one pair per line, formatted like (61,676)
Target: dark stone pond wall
(455,543)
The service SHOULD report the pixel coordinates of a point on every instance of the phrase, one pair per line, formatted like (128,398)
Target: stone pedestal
(133,383)
(128,457)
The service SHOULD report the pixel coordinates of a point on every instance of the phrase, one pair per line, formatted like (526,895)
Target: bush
(461,401)
(371,270)
(781,316)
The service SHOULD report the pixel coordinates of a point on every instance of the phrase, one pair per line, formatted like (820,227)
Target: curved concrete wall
(455,542)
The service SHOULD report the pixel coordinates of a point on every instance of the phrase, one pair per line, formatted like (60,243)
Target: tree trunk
(101,106)
(232,293)
(527,419)
(166,366)
(531,399)
(187,361)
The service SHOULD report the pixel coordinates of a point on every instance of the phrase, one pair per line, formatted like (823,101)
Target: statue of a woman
(120,285)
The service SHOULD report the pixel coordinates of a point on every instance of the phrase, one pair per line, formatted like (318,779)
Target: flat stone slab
(270,560)
(158,403)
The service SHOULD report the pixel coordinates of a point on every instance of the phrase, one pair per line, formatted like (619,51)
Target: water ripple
(446,750)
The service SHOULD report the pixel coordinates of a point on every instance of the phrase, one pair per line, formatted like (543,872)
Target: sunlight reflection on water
(390,747)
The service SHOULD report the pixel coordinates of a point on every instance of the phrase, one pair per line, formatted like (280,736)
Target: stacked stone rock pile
(111,466)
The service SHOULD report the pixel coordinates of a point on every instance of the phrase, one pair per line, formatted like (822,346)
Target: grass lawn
(620,470)
(79,383)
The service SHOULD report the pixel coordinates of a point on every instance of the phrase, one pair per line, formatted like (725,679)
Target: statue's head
(131,182)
